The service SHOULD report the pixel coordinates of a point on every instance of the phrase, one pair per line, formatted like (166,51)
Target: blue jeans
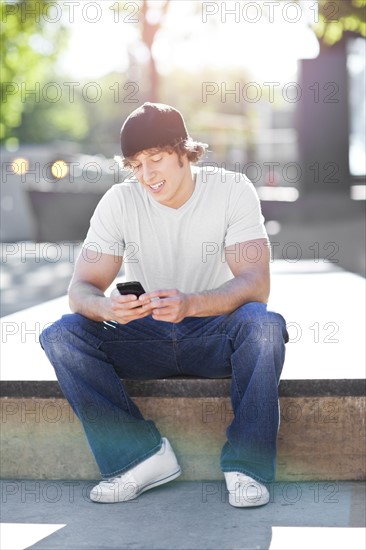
(90,357)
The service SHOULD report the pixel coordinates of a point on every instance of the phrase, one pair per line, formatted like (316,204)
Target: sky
(266,43)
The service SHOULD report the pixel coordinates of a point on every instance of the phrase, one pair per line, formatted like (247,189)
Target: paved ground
(182,515)
(32,273)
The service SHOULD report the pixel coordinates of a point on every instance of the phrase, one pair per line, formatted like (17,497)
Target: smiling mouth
(157,186)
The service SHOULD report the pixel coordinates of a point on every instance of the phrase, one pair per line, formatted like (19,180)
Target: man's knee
(248,315)
(58,333)
(252,311)
(254,320)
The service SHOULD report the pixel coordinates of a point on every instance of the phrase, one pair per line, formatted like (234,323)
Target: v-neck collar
(178,211)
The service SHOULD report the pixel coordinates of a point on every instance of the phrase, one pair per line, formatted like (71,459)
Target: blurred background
(277,90)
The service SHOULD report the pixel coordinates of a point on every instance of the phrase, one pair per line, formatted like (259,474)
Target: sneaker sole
(246,504)
(146,487)
(161,481)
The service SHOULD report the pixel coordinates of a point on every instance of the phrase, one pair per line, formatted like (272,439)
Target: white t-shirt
(182,248)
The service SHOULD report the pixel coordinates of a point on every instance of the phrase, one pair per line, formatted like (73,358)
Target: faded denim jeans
(91,357)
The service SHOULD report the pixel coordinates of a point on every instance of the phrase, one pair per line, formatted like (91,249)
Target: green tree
(339,16)
(30,46)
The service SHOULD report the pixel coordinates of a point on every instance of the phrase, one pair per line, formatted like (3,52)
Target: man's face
(163,177)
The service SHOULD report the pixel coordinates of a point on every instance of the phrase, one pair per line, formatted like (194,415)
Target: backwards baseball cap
(152,125)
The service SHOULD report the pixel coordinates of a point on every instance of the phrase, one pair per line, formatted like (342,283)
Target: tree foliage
(30,46)
(339,16)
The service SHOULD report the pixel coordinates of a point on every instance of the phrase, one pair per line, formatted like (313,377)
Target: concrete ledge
(321,432)
(193,387)
(319,437)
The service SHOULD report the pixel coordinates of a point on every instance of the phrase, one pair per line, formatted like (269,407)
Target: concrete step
(320,437)
(322,392)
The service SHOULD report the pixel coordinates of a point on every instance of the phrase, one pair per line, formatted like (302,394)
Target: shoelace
(246,479)
(250,486)
(116,479)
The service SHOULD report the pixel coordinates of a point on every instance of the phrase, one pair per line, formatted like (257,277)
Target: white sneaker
(155,470)
(245,491)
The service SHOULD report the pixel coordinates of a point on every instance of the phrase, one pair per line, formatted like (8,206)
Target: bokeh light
(20,166)
(273,227)
(59,169)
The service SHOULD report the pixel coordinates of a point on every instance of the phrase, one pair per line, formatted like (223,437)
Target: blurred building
(49,192)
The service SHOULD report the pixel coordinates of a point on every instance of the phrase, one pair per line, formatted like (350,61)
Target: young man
(194,238)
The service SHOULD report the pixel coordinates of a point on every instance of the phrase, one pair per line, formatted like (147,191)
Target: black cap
(152,125)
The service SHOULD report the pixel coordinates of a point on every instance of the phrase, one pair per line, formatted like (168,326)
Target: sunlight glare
(265,49)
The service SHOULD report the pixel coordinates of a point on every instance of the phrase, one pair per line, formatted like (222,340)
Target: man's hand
(124,309)
(171,306)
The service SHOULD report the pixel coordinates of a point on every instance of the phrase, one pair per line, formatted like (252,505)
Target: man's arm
(93,274)
(249,263)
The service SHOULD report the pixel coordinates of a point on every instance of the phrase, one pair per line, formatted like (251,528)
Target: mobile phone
(132,287)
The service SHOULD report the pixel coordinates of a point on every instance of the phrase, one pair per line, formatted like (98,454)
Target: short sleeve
(105,233)
(245,219)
